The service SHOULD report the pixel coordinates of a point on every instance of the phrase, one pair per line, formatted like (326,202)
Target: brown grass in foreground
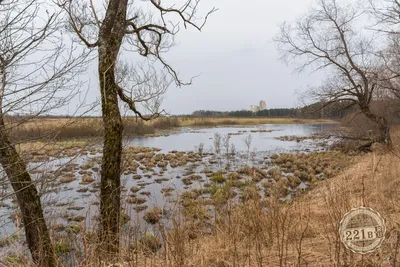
(256,232)
(267,232)
(302,232)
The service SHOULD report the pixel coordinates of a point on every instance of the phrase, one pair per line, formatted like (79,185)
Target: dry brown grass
(245,121)
(80,128)
(302,232)
(74,128)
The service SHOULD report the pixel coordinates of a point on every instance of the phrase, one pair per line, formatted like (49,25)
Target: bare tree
(330,38)
(247,141)
(387,15)
(33,68)
(147,30)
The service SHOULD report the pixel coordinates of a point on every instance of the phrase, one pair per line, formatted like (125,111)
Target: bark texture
(36,232)
(383,126)
(110,39)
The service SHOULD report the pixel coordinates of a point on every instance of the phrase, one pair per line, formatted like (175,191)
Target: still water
(264,142)
(188,138)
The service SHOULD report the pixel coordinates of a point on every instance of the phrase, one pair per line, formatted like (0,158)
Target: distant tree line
(315,111)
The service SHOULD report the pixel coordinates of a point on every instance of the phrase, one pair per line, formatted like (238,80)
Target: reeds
(89,127)
(255,230)
(80,128)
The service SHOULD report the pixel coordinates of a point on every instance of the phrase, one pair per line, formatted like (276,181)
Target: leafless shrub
(226,145)
(247,141)
(200,148)
(217,143)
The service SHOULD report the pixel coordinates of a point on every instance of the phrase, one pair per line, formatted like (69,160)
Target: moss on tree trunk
(36,232)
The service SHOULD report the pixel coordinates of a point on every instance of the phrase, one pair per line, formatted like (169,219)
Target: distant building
(261,106)
(254,108)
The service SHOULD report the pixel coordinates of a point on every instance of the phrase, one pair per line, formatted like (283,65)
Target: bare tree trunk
(36,232)
(110,39)
(384,133)
(110,168)
(383,125)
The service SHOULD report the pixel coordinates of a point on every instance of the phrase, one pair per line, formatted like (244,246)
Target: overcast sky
(237,59)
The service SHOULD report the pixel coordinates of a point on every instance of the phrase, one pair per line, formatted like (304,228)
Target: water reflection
(188,138)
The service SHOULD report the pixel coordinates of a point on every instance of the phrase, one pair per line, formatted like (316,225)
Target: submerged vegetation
(197,189)
(242,208)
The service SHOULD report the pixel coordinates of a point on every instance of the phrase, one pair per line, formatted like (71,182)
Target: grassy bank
(250,224)
(74,128)
(301,232)
(260,231)
(304,232)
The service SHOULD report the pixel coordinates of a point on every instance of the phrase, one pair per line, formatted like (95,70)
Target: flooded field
(160,170)
(264,137)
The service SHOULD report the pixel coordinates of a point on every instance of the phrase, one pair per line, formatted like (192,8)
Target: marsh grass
(89,127)
(212,122)
(264,231)
(79,128)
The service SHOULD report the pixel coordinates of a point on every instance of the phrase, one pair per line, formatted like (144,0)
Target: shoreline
(81,129)
(242,121)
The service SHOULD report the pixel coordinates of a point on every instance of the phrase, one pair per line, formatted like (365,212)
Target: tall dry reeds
(78,128)
(252,229)
(88,127)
